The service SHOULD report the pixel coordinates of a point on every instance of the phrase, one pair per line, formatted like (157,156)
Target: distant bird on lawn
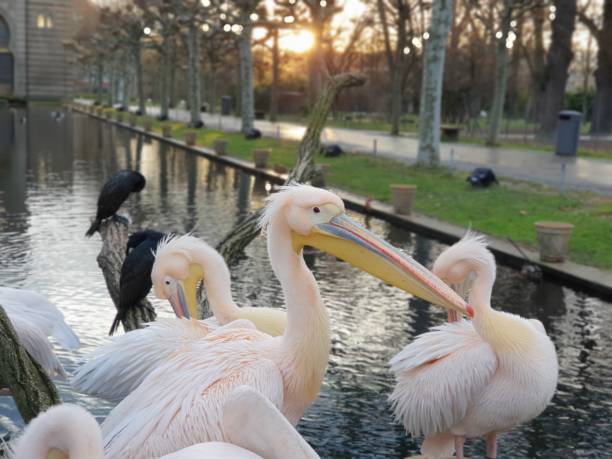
(114,193)
(476,378)
(34,319)
(135,279)
(252,426)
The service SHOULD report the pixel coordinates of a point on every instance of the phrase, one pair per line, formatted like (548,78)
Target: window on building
(44,21)
(4,33)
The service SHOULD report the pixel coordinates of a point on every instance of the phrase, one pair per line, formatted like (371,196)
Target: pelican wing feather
(438,376)
(181,402)
(114,370)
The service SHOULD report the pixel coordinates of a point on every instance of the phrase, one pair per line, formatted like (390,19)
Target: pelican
(255,428)
(135,278)
(116,369)
(34,319)
(473,378)
(114,192)
(180,402)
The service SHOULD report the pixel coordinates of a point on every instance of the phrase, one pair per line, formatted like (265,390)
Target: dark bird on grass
(114,193)
(135,278)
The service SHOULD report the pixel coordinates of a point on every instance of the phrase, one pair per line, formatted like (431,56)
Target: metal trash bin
(226,105)
(568,133)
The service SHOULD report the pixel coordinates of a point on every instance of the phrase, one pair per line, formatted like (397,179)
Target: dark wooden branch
(27,382)
(114,233)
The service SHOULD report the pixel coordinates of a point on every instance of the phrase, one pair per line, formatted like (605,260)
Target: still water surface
(50,176)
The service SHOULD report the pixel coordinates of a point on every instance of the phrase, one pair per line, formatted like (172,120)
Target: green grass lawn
(507,210)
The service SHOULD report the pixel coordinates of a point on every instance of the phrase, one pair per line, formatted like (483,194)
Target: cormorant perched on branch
(114,193)
(135,279)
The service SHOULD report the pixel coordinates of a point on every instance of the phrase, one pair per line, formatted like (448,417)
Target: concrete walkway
(540,167)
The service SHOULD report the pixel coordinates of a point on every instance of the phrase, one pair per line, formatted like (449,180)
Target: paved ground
(541,167)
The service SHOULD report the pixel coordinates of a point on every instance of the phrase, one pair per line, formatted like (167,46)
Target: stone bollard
(260,157)
(553,240)
(401,198)
(280,169)
(148,125)
(190,138)
(167,132)
(220,147)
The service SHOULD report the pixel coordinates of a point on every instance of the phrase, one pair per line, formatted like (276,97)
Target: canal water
(50,174)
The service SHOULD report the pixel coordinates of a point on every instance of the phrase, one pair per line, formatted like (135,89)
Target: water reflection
(50,175)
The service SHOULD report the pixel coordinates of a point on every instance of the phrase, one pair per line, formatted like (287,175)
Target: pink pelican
(117,368)
(255,429)
(34,319)
(180,402)
(473,378)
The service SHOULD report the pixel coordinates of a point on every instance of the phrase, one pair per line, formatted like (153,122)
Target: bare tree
(501,70)
(557,65)
(602,111)
(431,89)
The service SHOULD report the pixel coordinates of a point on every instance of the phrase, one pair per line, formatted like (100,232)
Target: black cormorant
(135,280)
(114,193)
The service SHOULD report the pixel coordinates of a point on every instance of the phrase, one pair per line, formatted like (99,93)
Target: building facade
(34,61)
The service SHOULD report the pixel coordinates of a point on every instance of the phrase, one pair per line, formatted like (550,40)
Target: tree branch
(28,383)
(114,233)
(232,246)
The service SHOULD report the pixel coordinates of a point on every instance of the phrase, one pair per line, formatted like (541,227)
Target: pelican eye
(167,282)
(316,210)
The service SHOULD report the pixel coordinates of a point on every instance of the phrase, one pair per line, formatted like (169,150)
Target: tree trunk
(110,96)
(315,74)
(246,71)
(114,233)
(501,71)
(195,95)
(27,382)
(538,61)
(142,107)
(99,80)
(602,110)
(165,79)
(396,99)
(433,76)
(172,82)
(557,66)
(275,76)
(232,246)
(127,79)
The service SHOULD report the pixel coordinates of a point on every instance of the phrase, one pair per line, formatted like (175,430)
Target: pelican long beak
(345,239)
(185,301)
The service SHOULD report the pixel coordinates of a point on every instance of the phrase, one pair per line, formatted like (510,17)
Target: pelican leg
(491,445)
(453,316)
(459,442)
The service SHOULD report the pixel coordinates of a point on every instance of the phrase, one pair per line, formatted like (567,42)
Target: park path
(534,166)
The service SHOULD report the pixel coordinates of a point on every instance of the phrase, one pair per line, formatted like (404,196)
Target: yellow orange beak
(349,241)
(185,301)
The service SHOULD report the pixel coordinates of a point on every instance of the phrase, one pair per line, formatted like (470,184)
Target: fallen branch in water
(23,378)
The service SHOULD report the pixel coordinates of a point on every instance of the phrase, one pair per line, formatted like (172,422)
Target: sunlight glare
(297,42)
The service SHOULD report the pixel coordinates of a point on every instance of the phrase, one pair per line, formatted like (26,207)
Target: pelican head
(469,255)
(175,274)
(317,218)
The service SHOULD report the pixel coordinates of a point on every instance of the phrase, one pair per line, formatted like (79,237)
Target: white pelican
(116,369)
(34,319)
(255,428)
(180,402)
(471,379)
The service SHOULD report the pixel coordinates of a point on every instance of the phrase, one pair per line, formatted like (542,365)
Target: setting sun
(298,41)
